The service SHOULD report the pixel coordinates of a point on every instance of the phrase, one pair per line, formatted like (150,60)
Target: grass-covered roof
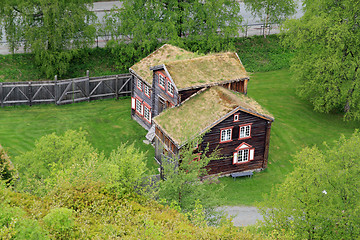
(213,68)
(202,110)
(166,53)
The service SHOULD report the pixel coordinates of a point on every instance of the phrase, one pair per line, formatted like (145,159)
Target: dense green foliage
(146,23)
(184,185)
(256,53)
(271,11)
(70,157)
(326,65)
(84,198)
(7,171)
(320,198)
(108,124)
(52,30)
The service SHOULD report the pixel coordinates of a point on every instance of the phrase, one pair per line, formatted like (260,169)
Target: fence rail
(65,91)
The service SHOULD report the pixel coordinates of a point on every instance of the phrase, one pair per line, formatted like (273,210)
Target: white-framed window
(170,88)
(236,117)
(225,135)
(245,131)
(146,90)
(162,81)
(243,153)
(147,113)
(139,107)
(139,84)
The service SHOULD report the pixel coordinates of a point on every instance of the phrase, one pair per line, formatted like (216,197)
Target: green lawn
(296,126)
(107,122)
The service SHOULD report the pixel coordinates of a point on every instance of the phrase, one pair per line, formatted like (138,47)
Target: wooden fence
(65,91)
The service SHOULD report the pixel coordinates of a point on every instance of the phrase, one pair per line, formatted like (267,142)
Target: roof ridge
(205,56)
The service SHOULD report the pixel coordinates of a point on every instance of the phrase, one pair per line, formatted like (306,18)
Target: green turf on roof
(201,111)
(213,68)
(164,54)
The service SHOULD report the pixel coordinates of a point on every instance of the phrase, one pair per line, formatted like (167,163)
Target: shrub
(60,223)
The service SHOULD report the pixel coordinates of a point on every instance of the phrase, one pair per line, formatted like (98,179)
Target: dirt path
(242,215)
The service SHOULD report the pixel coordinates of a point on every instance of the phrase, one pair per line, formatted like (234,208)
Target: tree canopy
(271,11)
(327,60)
(146,23)
(52,30)
(320,199)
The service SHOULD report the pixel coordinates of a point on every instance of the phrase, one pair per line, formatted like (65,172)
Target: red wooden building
(233,122)
(178,95)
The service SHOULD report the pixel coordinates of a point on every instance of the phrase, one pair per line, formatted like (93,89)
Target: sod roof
(204,110)
(166,53)
(213,68)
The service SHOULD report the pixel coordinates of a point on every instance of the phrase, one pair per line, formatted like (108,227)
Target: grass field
(296,126)
(108,123)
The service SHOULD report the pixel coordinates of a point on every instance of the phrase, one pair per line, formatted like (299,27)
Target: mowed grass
(108,124)
(296,126)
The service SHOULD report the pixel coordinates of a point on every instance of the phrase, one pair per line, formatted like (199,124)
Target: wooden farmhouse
(170,75)
(178,95)
(233,122)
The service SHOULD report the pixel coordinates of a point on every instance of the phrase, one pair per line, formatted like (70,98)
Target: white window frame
(139,106)
(245,131)
(147,113)
(146,90)
(162,81)
(243,155)
(225,135)
(170,88)
(139,84)
(236,117)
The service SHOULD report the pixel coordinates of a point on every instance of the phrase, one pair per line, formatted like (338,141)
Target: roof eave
(138,76)
(214,84)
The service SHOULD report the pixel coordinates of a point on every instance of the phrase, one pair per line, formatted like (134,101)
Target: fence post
(117,87)
(87,85)
(1,95)
(29,93)
(73,90)
(56,89)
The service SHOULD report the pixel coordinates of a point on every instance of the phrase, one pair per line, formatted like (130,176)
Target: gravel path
(242,215)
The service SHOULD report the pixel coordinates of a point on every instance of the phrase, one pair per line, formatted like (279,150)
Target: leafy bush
(60,223)
(7,171)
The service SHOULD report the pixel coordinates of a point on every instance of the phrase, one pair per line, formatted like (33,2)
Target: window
(225,135)
(243,153)
(245,131)
(139,84)
(147,113)
(146,90)
(170,88)
(139,106)
(162,81)
(236,117)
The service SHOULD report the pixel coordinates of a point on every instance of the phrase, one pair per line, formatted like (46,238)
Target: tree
(7,171)
(270,11)
(52,30)
(320,199)
(146,23)
(55,157)
(184,185)
(327,59)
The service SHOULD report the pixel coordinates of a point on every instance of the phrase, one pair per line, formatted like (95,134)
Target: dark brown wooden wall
(157,91)
(239,86)
(257,141)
